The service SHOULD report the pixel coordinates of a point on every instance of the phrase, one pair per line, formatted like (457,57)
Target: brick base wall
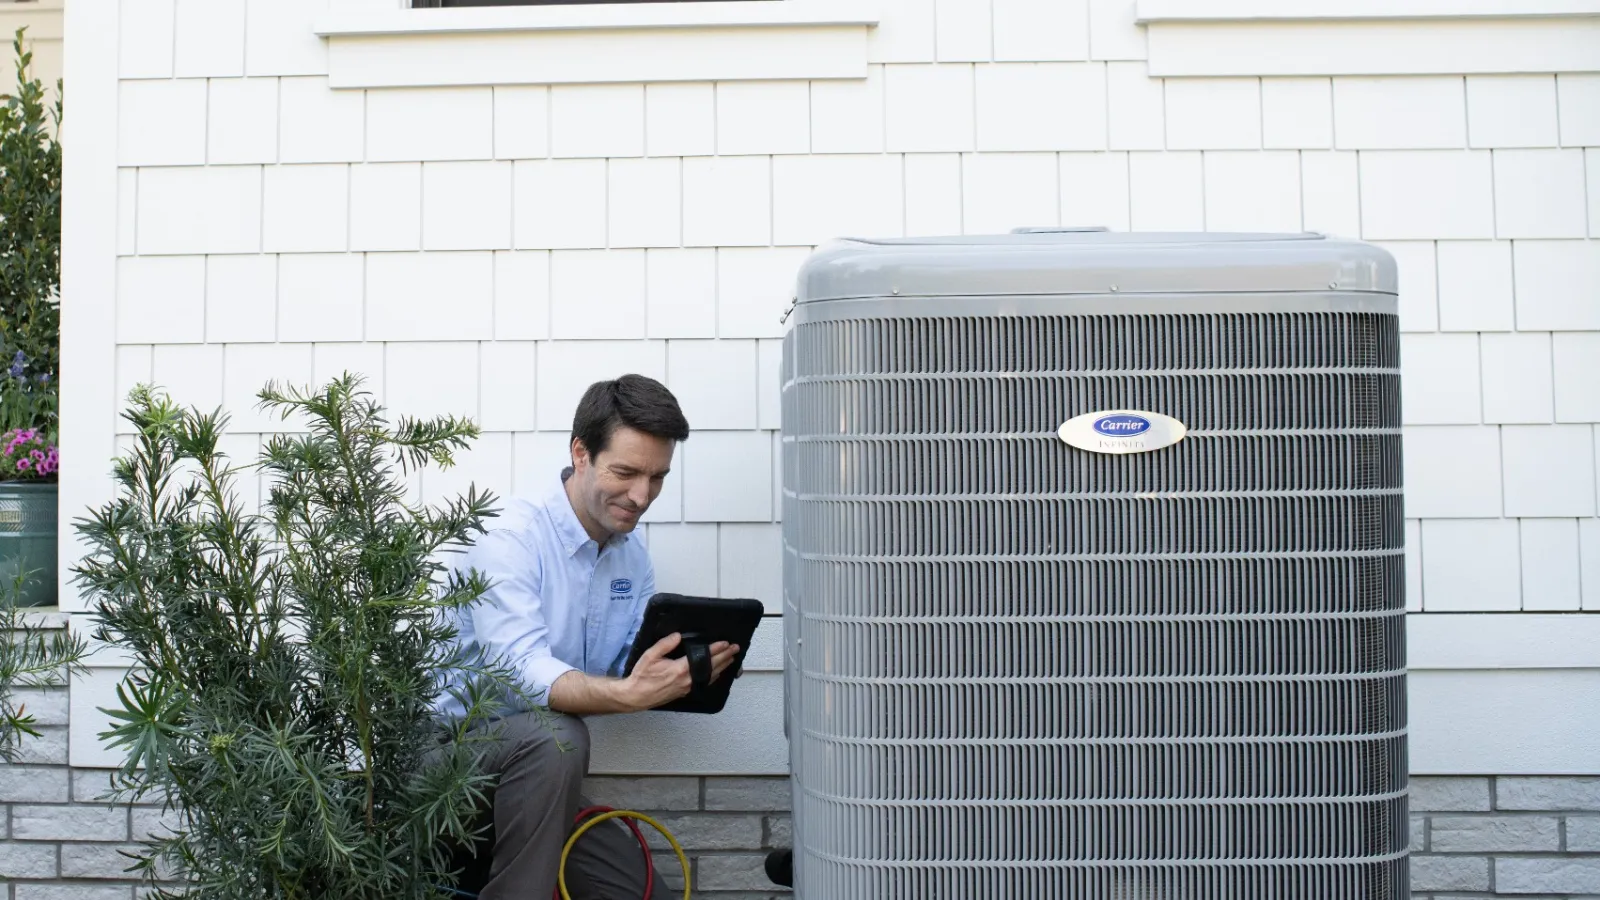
(1536,838)
(1505,837)
(60,841)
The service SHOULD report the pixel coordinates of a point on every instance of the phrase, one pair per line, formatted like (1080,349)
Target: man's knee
(573,733)
(554,744)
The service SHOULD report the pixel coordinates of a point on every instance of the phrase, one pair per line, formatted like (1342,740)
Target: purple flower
(38,455)
(16,364)
(22,465)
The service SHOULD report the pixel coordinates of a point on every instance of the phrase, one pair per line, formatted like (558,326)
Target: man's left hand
(722,654)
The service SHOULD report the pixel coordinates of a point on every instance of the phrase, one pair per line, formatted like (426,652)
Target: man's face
(616,486)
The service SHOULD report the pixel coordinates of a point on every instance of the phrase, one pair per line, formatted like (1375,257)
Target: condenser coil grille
(1017,669)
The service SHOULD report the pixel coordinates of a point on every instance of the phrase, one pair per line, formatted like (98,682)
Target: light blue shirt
(557,600)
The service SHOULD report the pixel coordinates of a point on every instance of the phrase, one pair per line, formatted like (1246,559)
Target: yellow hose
(622,814)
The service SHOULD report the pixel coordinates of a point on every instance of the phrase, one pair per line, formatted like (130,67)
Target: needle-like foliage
(285,663)
(32,655)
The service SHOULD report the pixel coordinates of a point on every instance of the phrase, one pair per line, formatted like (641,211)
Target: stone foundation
(1507,836)
(1536,838)
(62,843)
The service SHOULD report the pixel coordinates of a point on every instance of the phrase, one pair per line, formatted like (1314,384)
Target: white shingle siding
(1471,565)
(1550,567)
(1297,113)
(1427,194)
(1441,383)
(1517,384)
(1475,286)
(1512,111)
(242,123)
(1253,190)
(208,41)
(490,250)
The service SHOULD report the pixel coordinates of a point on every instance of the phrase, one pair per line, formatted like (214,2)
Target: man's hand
(656,680)
(722,654)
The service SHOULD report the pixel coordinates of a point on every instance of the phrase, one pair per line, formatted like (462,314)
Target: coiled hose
(601,814)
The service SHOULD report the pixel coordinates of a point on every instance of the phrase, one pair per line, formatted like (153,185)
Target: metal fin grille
(1017,669)
(1034,404)
(944,346)
(1301,463)
(893,715)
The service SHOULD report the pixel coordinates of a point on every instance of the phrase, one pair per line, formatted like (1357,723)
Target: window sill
(1348,10)
(1370,37)
(607,43)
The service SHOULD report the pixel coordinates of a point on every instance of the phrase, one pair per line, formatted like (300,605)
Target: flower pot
(28,540)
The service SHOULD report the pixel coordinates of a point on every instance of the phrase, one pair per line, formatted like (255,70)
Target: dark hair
(640,403)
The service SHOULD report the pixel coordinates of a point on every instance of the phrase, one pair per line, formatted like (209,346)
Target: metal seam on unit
(1370,737)
(1111,864)
(1089,803)
(977,436)
(908,681)
(1129,495)
(1090,618)
(1108,557)
(1085,373)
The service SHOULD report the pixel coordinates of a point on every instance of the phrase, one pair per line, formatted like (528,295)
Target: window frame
(474,4)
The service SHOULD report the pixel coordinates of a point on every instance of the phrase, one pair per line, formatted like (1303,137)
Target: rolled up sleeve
(510,619)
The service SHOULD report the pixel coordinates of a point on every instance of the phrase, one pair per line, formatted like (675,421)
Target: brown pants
(535,800)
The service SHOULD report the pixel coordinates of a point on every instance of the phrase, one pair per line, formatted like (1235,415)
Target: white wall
(489,249)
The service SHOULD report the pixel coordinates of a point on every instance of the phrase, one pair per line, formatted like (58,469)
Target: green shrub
(284,664)
(30,252)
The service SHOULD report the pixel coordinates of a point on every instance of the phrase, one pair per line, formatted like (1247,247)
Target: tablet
(702,621)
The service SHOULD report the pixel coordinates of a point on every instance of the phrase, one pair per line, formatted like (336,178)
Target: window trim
(598,16)
(1150,11)
(701,40)
(1323,38)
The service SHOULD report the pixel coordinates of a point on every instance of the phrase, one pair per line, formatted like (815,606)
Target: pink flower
(38,455)
(22,465)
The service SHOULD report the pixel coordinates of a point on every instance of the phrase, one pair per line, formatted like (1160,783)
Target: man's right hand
(656,680)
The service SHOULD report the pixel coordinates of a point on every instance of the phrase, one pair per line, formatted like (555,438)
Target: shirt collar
(558,506)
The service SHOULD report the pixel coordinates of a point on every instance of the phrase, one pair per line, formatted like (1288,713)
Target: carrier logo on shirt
(621,586)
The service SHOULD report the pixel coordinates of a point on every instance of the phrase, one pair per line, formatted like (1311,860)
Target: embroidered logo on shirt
(621,586)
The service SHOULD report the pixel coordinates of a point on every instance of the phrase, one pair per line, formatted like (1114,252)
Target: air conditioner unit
(1093,573)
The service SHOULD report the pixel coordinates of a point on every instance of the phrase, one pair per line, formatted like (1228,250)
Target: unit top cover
(1045,262)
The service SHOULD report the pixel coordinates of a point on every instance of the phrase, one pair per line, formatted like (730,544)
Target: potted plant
(30,325)
(28,464)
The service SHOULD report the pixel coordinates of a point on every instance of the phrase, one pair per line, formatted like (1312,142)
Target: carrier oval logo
(621,586)
(1121,425)
(1122,431)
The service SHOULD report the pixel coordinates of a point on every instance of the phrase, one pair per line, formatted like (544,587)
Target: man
(569,584)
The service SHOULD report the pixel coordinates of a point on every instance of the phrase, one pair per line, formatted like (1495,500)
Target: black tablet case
(704,620)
